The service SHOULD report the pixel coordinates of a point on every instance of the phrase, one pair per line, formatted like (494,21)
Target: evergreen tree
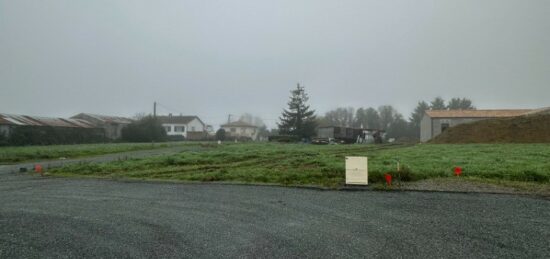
(220,134)
(460,104)
(438,104)
(416,117)
(454,104)
(298,120)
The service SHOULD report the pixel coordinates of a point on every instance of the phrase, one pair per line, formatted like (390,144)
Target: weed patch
(296,164)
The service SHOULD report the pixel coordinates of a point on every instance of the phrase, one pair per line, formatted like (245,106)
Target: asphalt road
(43,217)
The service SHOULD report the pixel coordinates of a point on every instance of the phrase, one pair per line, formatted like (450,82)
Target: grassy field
(27,153)
(295,164)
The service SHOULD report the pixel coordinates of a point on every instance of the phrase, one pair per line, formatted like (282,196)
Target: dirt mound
(523,129)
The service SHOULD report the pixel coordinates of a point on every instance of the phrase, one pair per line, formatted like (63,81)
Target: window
(444,126)
(233,130)
(192,128)
(168,128)
(179,129)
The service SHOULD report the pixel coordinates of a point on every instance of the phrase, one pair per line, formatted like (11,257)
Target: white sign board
(357,170)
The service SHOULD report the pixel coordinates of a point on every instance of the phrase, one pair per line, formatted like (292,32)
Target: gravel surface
(73,218)
(453,184)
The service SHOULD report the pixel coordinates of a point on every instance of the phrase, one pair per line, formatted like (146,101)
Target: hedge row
(46,135)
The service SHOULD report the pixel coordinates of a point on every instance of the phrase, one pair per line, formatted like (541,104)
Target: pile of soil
(523,129)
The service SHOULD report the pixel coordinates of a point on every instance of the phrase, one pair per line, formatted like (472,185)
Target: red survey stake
(458,170)
(388,179)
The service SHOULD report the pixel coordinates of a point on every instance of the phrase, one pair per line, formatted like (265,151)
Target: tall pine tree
(298,120)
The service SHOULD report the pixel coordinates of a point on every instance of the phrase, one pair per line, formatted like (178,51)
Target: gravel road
(43,217)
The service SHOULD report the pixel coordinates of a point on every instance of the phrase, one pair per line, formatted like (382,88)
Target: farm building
(26,130)
(241,130)
(112,125)
(349,135)
(436,121)
(188,127)
(340,133)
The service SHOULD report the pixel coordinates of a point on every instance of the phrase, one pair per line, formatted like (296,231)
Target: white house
(190,127)
(241,129)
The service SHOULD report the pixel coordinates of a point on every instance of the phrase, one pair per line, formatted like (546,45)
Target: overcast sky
(214,58)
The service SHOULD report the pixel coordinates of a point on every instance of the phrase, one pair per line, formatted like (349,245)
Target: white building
(241,129)
(189,127)
(435,122)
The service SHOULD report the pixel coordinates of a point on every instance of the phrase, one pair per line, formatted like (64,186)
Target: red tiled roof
(476,113)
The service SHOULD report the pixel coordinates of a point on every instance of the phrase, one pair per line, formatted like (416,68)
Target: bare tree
(343,117)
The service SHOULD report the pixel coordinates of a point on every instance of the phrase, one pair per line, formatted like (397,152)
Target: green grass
(295,164)
(27,153)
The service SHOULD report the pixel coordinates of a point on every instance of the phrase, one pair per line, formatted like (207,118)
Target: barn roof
(25,120)
(476,113)
(106,118)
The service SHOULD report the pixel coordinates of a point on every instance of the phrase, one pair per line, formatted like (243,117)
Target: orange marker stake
(38,169)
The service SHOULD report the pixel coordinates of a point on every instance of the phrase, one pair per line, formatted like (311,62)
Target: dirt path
(452,184)
(98,159)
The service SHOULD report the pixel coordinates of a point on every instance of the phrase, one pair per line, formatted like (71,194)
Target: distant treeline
(386,117)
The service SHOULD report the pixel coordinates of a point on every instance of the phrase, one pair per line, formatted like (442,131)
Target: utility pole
(228,118)
(154,109)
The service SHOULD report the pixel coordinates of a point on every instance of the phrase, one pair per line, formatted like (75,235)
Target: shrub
(284,138)
(220,134)
(3,139)
(45,135)
(533,176)
(147,129)
(175,138)
(404,174)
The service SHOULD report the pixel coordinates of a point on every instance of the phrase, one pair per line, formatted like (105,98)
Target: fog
(215,58)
